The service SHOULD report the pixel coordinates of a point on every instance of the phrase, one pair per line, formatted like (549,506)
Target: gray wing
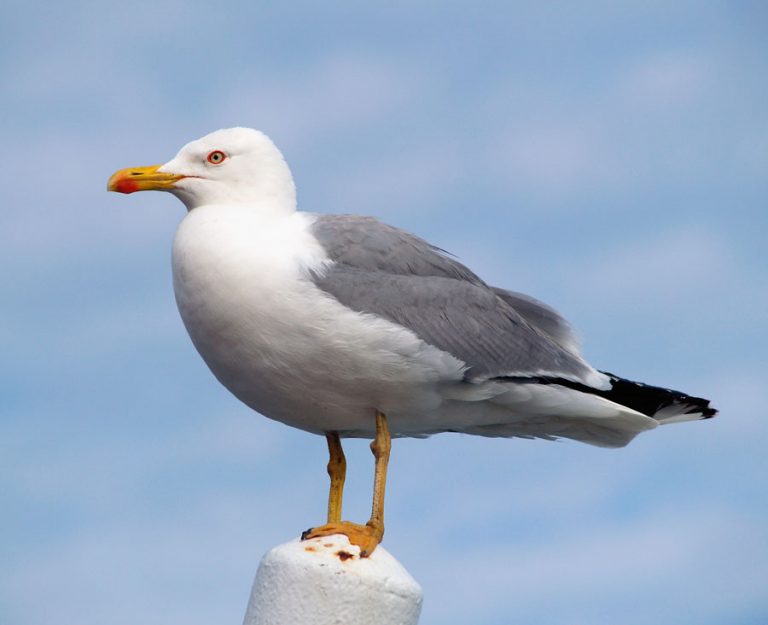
(387,272)
(542,316)
(367,243)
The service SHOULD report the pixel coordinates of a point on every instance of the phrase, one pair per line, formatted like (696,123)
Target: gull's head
(230,166)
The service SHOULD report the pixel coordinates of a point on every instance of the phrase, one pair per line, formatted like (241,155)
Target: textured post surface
(323,581)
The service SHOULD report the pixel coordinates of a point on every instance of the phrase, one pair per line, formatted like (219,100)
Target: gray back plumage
(381,270)
(368,244)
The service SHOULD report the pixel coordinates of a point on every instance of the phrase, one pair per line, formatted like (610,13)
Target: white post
(324,581)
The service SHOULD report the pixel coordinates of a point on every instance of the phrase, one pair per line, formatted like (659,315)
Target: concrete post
(323,581)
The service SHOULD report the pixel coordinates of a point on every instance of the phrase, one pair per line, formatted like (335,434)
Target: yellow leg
(367,536)
(337,471)
(380,446)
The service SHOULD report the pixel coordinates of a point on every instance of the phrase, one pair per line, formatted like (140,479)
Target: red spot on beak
(126,185)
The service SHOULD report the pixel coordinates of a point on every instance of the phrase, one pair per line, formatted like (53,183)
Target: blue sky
(608,158)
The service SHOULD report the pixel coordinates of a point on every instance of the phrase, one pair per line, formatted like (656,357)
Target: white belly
(285,348)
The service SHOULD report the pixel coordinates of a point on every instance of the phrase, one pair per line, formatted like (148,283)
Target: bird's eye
(216,157)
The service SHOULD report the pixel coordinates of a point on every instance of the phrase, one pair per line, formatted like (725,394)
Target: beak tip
(121,184)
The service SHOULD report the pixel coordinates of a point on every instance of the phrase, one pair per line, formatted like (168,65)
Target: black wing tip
(669,397)
(691,405)
(702,406)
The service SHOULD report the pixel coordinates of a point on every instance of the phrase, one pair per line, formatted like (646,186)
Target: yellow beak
(142,179)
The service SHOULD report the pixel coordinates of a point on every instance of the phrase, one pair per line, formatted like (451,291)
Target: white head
(230,166)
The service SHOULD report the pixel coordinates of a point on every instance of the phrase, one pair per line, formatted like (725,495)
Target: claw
(366,537)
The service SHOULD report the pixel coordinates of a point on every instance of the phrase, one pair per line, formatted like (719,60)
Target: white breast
(280,344)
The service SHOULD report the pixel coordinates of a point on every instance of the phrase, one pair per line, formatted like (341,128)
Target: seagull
(344,326)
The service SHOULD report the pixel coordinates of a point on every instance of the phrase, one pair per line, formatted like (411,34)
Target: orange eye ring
(217,157)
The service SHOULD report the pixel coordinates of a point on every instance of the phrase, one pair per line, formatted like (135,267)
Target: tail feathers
(663,404)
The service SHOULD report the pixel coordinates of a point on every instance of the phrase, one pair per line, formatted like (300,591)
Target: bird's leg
(337,471)
(380,446)
(367,536)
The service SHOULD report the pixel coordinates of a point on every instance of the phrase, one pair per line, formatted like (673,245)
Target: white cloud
(393,187)
(662,119)
(611,566)
(672,269)
(555,158)
(133,463)
(687,286)
(327,101)
(668,82)
(194,567)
